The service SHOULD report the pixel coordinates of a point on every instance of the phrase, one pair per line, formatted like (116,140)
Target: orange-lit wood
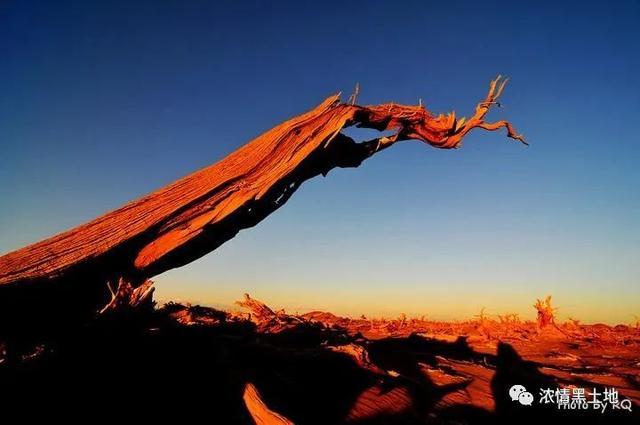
(194,215)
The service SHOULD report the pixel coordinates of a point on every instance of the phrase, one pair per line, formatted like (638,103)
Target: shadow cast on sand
(149,366)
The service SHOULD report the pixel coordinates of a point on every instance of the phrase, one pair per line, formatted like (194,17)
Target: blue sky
(103,102)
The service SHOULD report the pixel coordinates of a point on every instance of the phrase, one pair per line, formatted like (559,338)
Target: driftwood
(194,215)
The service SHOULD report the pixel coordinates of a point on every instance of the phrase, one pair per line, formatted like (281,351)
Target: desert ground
(258,365)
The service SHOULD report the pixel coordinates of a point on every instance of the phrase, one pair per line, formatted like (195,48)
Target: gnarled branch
(196,214)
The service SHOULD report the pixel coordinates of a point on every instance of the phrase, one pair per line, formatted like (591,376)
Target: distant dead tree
(196,214)
(546,313)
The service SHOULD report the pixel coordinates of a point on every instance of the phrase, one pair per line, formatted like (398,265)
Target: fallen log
(194,215)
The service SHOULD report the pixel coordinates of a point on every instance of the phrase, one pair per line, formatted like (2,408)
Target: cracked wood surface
(194,215)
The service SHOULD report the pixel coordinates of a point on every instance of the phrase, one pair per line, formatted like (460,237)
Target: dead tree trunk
(194,215)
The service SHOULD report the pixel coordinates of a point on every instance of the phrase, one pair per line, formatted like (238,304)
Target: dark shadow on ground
(148,366)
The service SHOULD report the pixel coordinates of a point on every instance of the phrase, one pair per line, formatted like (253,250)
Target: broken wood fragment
(259,310)
(260,412)
(126,297)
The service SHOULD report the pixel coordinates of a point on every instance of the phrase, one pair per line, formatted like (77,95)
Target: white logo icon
(515,391)
(519,393)
(525,398)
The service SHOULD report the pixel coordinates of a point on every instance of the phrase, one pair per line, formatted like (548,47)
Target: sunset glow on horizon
(91,118)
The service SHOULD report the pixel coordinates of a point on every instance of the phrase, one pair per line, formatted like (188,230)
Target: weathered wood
(196,214)
(260,412)
(259,310)
(126,297)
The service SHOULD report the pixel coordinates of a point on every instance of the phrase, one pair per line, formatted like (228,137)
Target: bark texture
(196,214)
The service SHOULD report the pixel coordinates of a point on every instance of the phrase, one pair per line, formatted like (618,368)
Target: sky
(104,101)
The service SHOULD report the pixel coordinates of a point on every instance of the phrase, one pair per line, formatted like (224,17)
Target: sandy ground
(263,366)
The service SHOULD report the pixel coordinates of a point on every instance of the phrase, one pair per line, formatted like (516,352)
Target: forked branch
(442,131)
